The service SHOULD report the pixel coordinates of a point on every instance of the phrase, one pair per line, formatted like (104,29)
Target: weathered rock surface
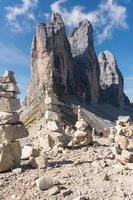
(49,140)
(9,155)
(8,92)
(8,118)
(51,61)
(111,80)
(13,132)
(45,182)
(124,140)
(86,68)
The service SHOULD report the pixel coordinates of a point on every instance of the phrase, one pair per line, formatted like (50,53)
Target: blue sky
(112,23)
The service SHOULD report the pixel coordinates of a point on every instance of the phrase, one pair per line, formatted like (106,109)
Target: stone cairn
(123,139)
(83,134)
(11,129)
(54,135)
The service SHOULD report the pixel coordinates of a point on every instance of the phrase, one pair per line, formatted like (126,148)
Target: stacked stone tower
(11,129)
(124,140)
(54,135)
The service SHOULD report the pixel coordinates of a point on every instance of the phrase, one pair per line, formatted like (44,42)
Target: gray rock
(9,118)
(10,156)
(9,104)
(27,152)
(13,132)
(86,64)
(111,80)
(45,182)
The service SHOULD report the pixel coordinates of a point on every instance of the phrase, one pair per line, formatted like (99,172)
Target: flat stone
(8,94)
(13,132)
(17,170)
(9,104)
(48,140)
(54,190)
(26,152)
(124,119)
(130,166)
(81,125)
(51,116)
(8,79)
(9,87)
(10,156)
(127,155)
(8,118)
(40,162)
(54,126)
(121,159)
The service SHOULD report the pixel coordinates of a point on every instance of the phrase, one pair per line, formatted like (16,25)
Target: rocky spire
(51,61)
(111,79)
(86,63)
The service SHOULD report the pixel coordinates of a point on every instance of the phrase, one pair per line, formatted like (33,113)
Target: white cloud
(108,16)
(24,10)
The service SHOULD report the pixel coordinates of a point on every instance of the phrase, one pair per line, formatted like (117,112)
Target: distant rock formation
(111,80)
(86,63)
(69,65)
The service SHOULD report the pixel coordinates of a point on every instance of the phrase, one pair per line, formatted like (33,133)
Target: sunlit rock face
(51,61)
(111,80)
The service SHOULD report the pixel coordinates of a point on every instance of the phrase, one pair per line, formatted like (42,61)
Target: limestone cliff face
(111,80)
(86,62)
(69,65)
(51,61)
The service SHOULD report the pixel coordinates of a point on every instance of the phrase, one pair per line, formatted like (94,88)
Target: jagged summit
(111,79)
(56,18)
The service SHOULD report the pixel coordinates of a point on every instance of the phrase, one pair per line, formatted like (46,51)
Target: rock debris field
(86,173)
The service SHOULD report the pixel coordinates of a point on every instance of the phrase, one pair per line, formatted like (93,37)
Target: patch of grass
(33,114)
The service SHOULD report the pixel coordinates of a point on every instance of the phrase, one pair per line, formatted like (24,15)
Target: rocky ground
(90,172)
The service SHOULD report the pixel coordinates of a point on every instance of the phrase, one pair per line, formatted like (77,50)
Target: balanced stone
(9,104)
(54,126)
(9,87)
(51,116)
(9,155)
(81,125)
(8,118)
(48,140)
(13,132)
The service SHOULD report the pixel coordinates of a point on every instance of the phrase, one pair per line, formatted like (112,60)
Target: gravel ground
(90,172)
